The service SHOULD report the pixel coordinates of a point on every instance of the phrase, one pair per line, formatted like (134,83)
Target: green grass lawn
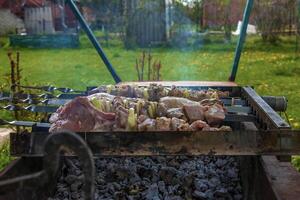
(271,69)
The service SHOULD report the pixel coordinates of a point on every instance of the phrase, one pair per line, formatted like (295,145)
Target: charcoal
(201,185)
(231,173)
(222,193)
(75,186)
(214,182)
(152,192)
(71,179)
(154,178)
(199,195)
(174,198)
(75,195)
(162,187)
(221,163)
(237,197)
(168,175)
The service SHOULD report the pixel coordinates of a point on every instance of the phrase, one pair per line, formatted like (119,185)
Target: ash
(155,178)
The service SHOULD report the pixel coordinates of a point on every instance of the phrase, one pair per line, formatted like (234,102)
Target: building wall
(39,20)
(213,13)
(9,23)
(147,21)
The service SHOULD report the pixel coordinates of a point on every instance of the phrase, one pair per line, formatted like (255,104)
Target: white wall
(9,23)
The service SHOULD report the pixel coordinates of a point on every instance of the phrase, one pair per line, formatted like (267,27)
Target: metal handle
(52,148)
(45,180)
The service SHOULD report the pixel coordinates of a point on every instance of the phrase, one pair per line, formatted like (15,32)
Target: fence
(39,20)
(147,27)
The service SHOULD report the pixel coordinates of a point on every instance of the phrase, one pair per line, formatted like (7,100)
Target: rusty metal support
(266,116)
(284,142)
(93,39)
(45,179)
(243,35)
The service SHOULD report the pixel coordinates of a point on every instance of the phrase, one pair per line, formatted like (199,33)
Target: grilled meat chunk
(215,115)
(147,125)
(198,125)
(194,112)
(80,115)
(179,124)
(176,102)
(121,117)
(175,112)
(163,124)
(222,128)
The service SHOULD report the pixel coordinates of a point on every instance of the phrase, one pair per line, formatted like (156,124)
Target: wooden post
(297,27)
(149,66)
(18,72)
(13,83)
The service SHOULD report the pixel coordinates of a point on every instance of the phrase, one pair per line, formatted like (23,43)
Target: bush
(5,157)
(271,18)
(296,162)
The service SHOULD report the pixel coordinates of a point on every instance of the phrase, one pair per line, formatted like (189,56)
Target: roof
(35,3)
(20,3)
(4,3)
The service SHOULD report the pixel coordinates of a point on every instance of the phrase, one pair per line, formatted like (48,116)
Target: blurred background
(176,39)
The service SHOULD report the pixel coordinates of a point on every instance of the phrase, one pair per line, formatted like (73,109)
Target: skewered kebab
(104,111)
(155,92)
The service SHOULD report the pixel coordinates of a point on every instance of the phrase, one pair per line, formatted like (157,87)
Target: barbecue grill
(261,140)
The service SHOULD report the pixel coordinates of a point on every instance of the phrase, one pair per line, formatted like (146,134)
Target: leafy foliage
(296,162)
(274,17)
(5,157)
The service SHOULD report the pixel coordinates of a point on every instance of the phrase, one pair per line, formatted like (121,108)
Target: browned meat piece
(184,127)
(156,92)
(198,95)
(126,91)
(211,129)
(121,117)
(142,118)
(210,102)
(215,115)
(194,112)
(101,96)
(198,125)
(80,115)
(225,128)
(147,125)
(176,102)
(224,94)
(118,101)
(163,124)
(176,123)
(176,92)
(175,112)
(162,110)
(222,128)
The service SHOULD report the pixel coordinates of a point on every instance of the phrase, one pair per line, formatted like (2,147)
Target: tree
(297,26)
(274,17)
(226,8)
